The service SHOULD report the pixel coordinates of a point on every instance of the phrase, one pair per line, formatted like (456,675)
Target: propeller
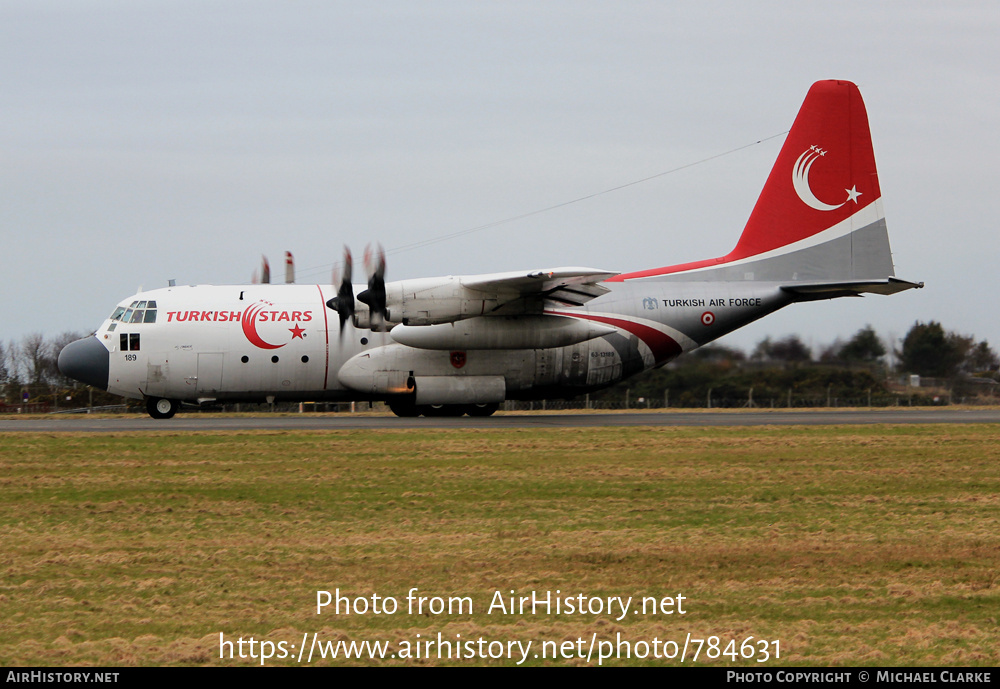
(343,303)
(265,271)
(374,296)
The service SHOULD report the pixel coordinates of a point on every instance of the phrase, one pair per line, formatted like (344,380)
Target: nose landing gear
(161,408)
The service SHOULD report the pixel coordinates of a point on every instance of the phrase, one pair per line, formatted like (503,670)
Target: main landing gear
(161,408)
(481,409)
(409,409)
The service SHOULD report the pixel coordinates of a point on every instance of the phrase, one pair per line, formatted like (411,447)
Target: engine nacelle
(436,300)
(362,317)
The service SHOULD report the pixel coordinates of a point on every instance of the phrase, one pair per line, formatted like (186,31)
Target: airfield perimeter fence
(40,399)
(136,407)
(783,402)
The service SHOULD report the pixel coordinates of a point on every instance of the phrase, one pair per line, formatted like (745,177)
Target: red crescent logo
(249,321)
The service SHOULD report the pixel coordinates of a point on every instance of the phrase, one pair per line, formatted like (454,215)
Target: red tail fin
(824,175)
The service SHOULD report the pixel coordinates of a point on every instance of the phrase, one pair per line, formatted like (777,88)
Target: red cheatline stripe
(663,346)
(326,331)
(653,272)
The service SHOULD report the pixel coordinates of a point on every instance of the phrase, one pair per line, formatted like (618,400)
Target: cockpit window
(139,312)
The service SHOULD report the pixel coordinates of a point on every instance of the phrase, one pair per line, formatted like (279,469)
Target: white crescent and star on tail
(800,181)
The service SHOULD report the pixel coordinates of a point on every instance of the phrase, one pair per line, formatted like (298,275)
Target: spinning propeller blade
(374,296)
(343,303)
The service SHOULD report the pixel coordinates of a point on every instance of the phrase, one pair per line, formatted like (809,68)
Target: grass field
(847,545)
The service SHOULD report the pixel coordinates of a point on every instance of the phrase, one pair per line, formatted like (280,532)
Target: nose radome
(87,361)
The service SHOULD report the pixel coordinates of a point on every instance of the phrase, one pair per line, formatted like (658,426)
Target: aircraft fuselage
(261,343)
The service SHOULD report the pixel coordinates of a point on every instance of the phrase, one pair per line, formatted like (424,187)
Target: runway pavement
(193,422)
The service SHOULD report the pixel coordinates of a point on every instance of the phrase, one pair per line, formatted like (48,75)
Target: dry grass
(851,545)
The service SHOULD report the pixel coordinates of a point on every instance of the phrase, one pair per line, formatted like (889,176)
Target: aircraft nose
(87,361)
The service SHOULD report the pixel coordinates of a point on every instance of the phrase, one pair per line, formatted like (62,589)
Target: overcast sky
(144,141)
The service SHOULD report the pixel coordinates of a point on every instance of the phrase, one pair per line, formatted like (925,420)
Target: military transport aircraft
(464,344)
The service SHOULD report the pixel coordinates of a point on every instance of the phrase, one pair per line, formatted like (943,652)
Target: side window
(133,342)
(123,340)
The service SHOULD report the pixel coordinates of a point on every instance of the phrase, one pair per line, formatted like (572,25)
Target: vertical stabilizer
(824,175)
(819,217)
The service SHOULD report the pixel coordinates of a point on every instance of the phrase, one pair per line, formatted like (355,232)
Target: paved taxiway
(211,422)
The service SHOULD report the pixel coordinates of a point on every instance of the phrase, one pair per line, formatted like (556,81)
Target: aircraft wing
(573,286)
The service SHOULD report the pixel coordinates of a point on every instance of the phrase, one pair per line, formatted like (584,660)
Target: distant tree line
(930,351)
(29,367)
(785,372)
(927,350)
(32,361)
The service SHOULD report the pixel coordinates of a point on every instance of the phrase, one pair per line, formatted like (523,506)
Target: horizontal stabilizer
(829,290)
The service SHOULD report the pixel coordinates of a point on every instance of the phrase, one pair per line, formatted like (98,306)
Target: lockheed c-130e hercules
(464,344)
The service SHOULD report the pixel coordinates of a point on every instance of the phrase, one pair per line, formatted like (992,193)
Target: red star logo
(296,331)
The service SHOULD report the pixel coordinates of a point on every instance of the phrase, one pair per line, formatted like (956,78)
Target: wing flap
(571,286)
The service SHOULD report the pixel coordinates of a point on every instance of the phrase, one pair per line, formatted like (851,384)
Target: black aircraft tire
(481,409)
(404,409)
(442,409)
(161,407)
